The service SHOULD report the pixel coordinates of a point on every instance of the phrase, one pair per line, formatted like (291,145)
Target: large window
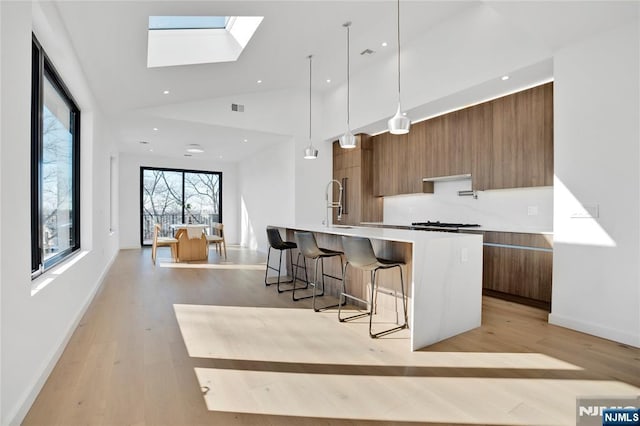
(55,166)
(170,196)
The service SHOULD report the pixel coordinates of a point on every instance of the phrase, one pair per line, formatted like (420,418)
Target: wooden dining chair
(218,239)
(163,242)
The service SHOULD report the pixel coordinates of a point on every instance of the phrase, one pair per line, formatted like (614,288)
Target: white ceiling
(110,39)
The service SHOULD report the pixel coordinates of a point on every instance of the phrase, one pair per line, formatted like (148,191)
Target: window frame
(42,69)
(183,171)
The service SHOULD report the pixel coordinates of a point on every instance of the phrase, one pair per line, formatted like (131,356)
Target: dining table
(192,241)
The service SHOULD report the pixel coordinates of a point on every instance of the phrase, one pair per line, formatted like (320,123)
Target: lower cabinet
(518,267)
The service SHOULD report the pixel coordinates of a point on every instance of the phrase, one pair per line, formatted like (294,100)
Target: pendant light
(398,124)
(348,140)
(310,153)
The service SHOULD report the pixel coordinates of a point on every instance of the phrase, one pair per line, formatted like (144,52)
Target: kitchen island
(443,276)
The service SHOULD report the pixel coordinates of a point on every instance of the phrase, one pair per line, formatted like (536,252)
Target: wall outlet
(532,211)
(586,211)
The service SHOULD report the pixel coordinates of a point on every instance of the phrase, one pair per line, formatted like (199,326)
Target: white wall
(36,325)
(470,48)
(266,190)
(129,213)
(282,112)
(505,209)
(596,282)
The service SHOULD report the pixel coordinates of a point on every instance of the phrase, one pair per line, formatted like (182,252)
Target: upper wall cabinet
(519,152)
(391,164)
(504,143)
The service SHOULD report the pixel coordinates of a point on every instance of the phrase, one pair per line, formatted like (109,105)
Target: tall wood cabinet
(354,169)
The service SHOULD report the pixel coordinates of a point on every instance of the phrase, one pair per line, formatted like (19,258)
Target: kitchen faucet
(334,204)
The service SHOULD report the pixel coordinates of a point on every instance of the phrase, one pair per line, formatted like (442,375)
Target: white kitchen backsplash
(521,209)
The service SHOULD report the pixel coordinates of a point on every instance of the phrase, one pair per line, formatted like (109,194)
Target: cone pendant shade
(348,140)
(310,153)
(399,124)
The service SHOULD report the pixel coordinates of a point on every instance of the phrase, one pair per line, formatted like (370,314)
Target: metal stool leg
(306,277)
(289,281)
(266,271)
(323,286)
(404,306)
(279,270)
(348,296)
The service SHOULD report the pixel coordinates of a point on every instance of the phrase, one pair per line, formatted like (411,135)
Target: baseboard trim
(595,330)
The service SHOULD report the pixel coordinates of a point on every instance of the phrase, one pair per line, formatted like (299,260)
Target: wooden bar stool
(360,255)
(276,243)
(309,248)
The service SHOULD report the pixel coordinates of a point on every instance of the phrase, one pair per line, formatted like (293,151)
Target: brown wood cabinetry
(354,169)
(518,267)
(504,143)
(391,162)
(446,144)
(520,151)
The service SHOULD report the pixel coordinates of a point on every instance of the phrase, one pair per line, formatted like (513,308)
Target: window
(186,40)
(55,166)
(173,196)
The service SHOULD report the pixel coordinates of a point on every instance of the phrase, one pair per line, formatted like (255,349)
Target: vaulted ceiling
(110,39)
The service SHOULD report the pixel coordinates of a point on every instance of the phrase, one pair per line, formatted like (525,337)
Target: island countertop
(378,233)
(446,276)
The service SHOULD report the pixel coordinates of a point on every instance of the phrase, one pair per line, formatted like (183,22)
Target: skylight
(187,22)
(185,40)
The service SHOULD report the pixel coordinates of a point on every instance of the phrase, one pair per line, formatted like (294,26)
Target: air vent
(237,107)
(367,52)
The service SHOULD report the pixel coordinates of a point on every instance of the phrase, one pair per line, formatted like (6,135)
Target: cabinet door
(457,143)
(519,147)
(390,153)
(435,147)
(479,133)
(518,267)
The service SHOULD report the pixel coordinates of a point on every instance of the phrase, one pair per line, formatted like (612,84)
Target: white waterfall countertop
(446,287)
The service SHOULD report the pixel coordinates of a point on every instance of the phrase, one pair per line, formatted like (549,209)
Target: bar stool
(359,254)
(310,250)
(276,243)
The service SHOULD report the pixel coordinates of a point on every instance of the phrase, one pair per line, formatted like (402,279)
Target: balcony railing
(166,220)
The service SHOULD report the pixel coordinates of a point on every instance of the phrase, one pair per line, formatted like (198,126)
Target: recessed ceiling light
(221,157)
(166,92)
(144,142)
(505,77)
(194,147)
(155,129)
(259,81)
(384,44)
(150,149)
(245,140)
(328,80)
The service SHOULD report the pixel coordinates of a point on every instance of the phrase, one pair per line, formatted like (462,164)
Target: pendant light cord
(348,25)
(398,51)
(310,56)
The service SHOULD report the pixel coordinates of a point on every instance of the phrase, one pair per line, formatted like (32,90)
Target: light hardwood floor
(210,344)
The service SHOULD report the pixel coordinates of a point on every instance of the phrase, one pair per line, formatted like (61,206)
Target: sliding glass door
(169,197)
